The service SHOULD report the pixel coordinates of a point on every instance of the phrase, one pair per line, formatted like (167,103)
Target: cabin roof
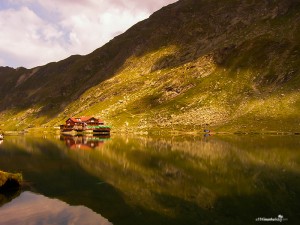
(83,119)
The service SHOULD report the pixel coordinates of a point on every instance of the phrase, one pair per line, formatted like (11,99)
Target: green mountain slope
(229,65)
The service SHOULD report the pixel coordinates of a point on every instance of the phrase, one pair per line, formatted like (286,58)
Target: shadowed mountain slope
(230,65)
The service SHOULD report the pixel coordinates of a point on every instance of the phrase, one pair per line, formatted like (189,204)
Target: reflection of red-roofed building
(83,142)
(84,123)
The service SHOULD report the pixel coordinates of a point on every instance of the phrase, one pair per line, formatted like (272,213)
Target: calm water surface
(152,180)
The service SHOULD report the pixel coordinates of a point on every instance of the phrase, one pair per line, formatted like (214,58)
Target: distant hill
(227,65)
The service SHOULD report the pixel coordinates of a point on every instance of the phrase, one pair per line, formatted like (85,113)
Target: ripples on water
(155,180)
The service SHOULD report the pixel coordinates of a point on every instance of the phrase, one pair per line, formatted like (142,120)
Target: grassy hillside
(227,65)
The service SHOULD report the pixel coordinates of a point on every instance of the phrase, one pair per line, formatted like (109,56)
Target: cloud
(1,61)
(25,36)
(35,32)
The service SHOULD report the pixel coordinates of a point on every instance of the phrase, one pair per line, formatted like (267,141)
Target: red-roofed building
(84,123)
(84,119)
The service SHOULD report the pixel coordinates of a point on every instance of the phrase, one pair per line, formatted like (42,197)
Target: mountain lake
(152,180)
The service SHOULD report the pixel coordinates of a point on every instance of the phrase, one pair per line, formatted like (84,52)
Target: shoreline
(152,132)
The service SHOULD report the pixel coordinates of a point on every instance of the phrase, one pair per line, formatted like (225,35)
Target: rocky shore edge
(10,181)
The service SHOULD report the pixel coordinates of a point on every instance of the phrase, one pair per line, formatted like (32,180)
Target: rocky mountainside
(229,65)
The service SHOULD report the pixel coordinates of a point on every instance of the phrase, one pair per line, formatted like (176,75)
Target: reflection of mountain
(188,179)
(47,167)
(37,209)
(84,142)
(166,180)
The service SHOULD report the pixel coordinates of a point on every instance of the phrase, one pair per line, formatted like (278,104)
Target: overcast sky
(35,32)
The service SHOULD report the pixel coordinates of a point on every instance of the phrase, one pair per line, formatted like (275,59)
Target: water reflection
(35,209)
(229,178)
(166,180)
(84,142)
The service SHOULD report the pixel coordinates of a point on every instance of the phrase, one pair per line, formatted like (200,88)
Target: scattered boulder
(10,181)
